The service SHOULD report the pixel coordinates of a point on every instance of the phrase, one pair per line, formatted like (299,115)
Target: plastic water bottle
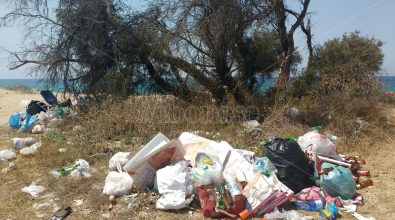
(23,142)
(314,205)
(32,149)
(232,185)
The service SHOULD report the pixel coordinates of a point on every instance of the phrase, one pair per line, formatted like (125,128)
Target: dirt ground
(85,195)
(10,102)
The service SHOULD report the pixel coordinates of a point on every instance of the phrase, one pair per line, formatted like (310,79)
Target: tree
(349,65)
(222,45)
(210,41)
(351,47)
(286,36)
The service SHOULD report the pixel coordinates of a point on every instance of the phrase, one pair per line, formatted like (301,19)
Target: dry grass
(135,121)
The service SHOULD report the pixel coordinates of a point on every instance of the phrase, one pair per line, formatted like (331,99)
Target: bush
(353,79)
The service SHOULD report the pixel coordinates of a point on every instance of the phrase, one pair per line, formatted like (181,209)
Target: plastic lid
(244,214)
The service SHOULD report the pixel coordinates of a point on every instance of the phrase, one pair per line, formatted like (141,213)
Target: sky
(331,18)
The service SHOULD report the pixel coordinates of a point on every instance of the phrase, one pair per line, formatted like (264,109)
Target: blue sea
(388,83)
(31,83)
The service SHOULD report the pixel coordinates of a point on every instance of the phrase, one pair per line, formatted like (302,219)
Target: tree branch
(300,17)
(41,62)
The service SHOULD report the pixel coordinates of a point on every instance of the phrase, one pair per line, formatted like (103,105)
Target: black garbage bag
(293,168)
(36,107)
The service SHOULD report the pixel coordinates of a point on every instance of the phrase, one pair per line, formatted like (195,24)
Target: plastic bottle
(23,142)
(30,150)
(220,202)
(314,205)
(232,185)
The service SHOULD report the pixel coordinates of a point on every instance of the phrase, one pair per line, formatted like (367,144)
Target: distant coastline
(388,83)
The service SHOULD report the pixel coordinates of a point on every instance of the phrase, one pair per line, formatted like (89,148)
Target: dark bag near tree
(36,107)
(293,168)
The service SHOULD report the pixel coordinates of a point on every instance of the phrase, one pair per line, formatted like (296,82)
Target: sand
(11,101)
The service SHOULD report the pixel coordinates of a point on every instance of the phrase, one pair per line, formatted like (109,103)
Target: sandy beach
(11,101)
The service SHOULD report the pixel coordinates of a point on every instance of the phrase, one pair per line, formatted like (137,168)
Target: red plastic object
(208,203)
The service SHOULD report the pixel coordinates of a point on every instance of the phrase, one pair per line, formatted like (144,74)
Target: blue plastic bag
(15,120)
(28,122)
(338,181)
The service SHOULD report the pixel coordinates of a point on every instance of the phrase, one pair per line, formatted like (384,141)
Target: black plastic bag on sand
(293,168)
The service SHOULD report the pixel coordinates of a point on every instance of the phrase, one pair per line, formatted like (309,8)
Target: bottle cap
(244,214)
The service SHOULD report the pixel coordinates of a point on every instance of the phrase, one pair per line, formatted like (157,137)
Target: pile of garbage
(38,116)
(308,173)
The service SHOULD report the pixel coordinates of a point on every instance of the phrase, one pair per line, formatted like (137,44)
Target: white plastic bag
(172,184)
(38,129)
(117,183)
(208,169)
(172,177)
(34,190)
(45,117)
(7,155)
(121,157)
(144,176)
(313,143)
(286,215)
(173,200)
(82,169)
(31,150)
(23,142)
(250,124)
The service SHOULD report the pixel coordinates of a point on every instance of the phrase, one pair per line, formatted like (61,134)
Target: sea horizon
(387,80)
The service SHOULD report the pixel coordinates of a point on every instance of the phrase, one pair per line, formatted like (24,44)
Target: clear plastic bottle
(232,185)
(23,142)
(314,205)
(32,149)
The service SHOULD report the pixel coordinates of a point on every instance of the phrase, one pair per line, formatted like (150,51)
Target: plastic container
(314,205)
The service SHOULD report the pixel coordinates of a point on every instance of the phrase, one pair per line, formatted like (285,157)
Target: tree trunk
(284,71)
(286,38)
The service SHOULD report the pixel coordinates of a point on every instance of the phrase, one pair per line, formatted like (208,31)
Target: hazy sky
(332,18)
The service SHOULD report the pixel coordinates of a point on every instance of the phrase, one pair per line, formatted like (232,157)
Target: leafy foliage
(351,48)
(349,65)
